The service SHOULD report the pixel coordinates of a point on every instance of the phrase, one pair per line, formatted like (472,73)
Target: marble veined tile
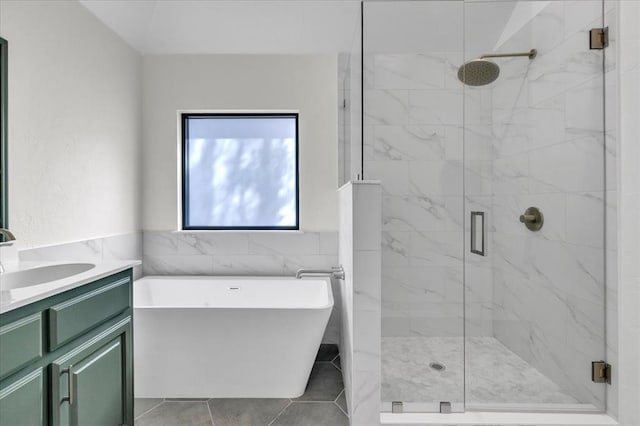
(386,107)
(409,143)
(410,71)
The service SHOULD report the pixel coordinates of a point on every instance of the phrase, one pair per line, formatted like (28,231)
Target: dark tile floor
(322,404)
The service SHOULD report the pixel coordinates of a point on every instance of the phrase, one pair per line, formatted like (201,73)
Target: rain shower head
(480,72)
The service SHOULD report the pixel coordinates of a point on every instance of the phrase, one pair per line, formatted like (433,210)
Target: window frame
(184,209)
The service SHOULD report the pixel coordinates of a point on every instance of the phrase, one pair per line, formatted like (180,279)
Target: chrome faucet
(8,237)
(8,240)
(334,272)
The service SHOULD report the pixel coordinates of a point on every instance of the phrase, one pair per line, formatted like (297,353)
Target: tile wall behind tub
(116,247)
(413,145)
(549,152)
(243,253)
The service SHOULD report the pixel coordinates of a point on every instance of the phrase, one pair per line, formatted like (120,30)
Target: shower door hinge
(599,38)
(600,372)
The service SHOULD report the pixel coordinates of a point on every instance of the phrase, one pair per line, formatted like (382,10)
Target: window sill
(238,231)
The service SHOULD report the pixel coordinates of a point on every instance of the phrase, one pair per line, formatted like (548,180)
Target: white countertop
(17,297)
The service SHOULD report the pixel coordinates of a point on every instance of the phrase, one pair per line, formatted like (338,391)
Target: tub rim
(329,305)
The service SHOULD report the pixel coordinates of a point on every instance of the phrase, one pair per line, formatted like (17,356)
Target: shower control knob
(532,219)
(527,218)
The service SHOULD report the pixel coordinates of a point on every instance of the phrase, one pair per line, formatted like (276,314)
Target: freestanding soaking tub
(235,337)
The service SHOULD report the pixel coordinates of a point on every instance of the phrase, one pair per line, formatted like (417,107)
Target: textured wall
(74,125)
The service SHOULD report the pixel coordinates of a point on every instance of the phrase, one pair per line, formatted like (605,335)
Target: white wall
(74,124)
(241,82)
(628,63)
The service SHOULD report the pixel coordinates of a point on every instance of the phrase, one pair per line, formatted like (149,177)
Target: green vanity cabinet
(89,383)
(21,400)
(68,359)
(20,344)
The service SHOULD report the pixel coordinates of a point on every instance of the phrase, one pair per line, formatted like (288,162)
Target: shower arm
(530,54)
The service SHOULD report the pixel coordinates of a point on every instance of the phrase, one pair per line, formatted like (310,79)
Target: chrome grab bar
(335,272)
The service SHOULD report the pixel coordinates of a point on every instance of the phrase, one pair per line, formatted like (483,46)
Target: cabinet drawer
(22,402)
(76,316)
(20,344)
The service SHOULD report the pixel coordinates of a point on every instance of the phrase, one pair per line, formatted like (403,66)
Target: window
(240,171)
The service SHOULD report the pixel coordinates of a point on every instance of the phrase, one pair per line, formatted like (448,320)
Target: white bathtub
(227,337)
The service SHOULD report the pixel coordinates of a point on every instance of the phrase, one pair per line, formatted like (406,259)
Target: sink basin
(43,274)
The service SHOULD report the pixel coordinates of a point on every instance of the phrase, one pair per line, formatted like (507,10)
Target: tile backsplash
(237,253)
(116,247)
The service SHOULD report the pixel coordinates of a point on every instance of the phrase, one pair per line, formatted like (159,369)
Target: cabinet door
(21,401)
(91,385)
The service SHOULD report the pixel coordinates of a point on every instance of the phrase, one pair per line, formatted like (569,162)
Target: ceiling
(241,27)
(305,26)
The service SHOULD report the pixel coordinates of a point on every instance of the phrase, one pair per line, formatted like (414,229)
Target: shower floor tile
(495,375)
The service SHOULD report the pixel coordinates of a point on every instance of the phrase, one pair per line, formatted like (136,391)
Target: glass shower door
(413,110)
(534,183)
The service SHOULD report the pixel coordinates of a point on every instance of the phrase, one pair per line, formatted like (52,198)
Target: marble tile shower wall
(413,120)
(243,253)
(549,152)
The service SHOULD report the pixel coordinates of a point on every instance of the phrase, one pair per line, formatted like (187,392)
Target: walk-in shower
(515,326)
(480,72)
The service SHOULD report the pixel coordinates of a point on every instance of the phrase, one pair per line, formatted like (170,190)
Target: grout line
(341,410)
(210,413)
(149,410)
(336,402)
(280,413)
(311,402)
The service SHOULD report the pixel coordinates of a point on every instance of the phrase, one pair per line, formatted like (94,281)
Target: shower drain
(437,366)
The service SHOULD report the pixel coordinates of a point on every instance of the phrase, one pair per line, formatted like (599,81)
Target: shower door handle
(477,233)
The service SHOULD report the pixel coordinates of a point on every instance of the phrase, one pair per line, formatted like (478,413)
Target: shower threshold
(497,419)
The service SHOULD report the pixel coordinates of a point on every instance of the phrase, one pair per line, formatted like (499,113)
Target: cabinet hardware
(69,372)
